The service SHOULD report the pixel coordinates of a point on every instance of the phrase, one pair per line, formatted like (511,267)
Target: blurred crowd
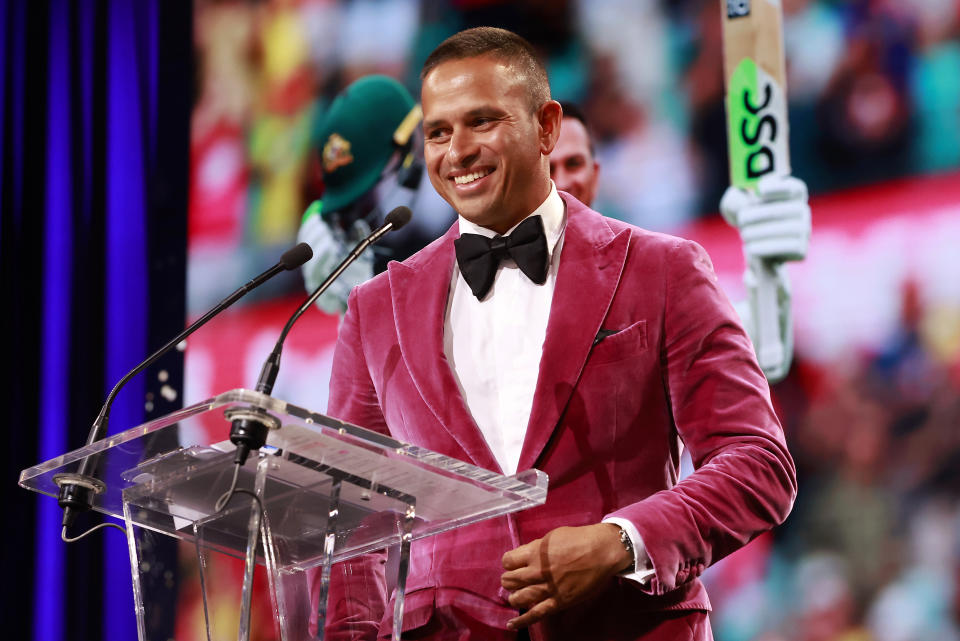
(872,550)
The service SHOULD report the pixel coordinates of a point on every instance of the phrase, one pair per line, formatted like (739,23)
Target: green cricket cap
(366,123)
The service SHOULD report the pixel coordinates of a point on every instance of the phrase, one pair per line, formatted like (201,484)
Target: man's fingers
(534,614)
(733,202)
(771,212)
(771,188)
(565,566)
(779,229)
(777,250)
(516,579)
(529,596)
(518,557)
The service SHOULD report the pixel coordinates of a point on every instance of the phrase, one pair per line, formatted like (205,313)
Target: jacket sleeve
(744,481)
(353,396)
(358,589)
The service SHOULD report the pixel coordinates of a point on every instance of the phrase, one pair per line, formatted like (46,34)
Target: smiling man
(538,333)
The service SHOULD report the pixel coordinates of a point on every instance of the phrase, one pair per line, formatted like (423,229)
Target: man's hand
(564,567)
(329,248)
(774,222)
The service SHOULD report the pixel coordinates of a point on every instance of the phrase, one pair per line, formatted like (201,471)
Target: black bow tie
(479,256)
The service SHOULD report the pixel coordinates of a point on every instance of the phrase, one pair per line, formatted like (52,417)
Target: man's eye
(479,122)
(435,134)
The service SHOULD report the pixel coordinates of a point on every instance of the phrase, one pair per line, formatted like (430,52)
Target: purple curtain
(94,133)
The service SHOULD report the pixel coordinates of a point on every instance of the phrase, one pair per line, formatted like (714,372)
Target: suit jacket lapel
(419,290)
(591,262)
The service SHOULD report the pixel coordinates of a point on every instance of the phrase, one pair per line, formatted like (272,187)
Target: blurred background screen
(871,406)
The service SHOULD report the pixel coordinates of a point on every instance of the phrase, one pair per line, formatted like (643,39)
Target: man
(537,333)
(573,165)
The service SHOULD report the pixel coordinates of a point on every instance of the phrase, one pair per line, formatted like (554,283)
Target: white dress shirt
(497,374)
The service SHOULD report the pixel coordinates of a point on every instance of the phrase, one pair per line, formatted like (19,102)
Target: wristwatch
(628,546)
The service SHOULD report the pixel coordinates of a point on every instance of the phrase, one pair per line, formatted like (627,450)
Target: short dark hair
(572,110)
(500,44)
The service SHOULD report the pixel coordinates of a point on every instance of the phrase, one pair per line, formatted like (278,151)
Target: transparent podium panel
(321,491)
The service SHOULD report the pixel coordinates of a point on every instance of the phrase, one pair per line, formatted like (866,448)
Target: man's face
(572,166)
(484,147)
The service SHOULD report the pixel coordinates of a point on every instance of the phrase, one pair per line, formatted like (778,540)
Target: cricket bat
(757,135)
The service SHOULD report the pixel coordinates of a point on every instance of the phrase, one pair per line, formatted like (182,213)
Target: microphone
(76,490)
(250,433)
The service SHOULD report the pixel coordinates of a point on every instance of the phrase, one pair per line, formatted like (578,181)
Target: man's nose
(463,148)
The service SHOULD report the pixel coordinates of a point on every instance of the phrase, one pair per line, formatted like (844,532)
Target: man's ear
(549,117)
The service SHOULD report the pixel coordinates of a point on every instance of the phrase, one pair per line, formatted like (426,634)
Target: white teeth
(469,178)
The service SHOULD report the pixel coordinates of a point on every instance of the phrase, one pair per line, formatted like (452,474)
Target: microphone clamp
(76,494)
(249,427)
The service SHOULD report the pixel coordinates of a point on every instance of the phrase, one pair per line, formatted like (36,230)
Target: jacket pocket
(619,345)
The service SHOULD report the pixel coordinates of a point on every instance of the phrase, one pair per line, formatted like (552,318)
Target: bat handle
(762,277)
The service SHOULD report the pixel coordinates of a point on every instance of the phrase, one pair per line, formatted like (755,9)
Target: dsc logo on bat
(757,125)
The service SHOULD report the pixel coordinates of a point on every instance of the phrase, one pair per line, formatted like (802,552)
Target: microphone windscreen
(398,217)
(296,256)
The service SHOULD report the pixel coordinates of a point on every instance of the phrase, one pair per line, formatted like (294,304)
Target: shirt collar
(552,211)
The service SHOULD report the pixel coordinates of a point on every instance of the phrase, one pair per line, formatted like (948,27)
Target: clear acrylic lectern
(329,491)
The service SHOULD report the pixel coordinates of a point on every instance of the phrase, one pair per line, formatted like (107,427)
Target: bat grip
(766,313)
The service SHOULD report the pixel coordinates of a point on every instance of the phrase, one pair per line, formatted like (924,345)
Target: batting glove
(329,248)
(774,222)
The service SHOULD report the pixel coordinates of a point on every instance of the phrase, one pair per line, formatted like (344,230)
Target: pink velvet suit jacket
(606,425)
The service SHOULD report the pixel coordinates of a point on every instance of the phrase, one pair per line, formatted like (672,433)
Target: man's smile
(472,177)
